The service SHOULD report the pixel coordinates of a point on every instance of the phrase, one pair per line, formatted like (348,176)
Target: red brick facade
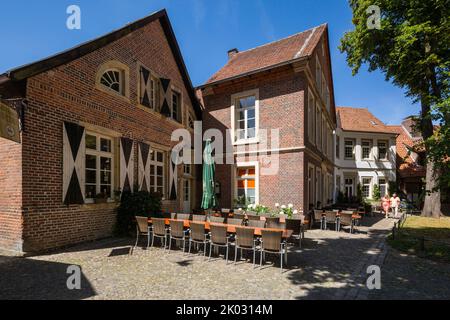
(33,176)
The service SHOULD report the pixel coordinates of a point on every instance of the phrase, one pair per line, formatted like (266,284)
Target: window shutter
(165,108)
(74,147)
(144,167)
(173,178)
(145,94)
(126,164)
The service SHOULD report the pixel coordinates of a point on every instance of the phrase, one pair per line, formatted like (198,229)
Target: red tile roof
(358,119)
(270,55)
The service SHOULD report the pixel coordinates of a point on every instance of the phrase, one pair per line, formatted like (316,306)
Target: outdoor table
(230,228)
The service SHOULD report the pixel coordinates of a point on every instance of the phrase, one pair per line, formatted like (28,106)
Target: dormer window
(113,80)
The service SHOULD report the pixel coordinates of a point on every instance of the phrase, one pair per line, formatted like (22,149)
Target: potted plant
(101,198)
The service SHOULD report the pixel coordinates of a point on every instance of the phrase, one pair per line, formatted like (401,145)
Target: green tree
(411,46)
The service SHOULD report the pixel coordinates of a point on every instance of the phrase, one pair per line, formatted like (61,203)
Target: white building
(365,153)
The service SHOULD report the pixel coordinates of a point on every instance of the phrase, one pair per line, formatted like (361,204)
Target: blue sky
(206,30)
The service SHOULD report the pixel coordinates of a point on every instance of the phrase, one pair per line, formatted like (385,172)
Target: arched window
(113,79)
(113,76)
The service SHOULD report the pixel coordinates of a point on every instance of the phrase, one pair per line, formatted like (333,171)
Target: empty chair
(256,223)
(345,220)
(198,235)
(238,216)
(330,218)
(245,240)
(219,238)
(159,231)
(183,216)
(296,225)
(173,215)
(274,222)
(217,219)
(235,222)
(142,229)
(199,217)
(253,216)
(177,233)
(319,218)
(271,242)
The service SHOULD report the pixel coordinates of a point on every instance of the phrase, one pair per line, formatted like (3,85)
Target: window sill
(246,141)
(96,206)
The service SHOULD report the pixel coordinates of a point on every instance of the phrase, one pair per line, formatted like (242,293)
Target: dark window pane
(91,142)
(105,177)
(91,162)
(90,191)
(106,189)
(91,176)
(105,163)
(159,157)
(105,145)
(159,181)
(159,171)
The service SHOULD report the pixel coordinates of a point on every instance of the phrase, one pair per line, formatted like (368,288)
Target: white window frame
(386,184)
(353,149)
(99,154)
(180,105)
(311,116)
(387,150)
(364,185)
(234,98)
(249,164)
(155,163)
(311,186)
(370,146)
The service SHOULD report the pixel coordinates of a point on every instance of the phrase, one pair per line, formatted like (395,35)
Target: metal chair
(219,238)
(142,228)
(159,231)
(271,242)
(239,216)
(253,216)
(273,222)
(319,218)
(245,240)
(173,215)
(331,218)
(183,216)
(199,217)
(177,233)
(235,222)
(296,225)
(345,219)
(198,235)
(256,223)
(217,219)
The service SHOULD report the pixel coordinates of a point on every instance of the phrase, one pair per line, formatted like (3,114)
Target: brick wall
(68,93)
(10,195)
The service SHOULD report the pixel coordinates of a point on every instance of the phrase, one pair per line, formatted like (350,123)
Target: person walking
(395,204)
(386,205)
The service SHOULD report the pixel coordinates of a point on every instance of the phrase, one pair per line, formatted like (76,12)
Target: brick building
(98,119)
(285,85)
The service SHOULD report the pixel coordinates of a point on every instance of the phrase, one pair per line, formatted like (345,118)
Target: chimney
(232,53)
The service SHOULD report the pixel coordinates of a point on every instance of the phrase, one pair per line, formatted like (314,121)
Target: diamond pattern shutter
(144,167)
(144,90)
(165,108)
(173,179)
(74,148)
(126,164)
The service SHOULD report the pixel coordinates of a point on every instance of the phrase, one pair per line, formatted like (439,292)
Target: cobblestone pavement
(330,265)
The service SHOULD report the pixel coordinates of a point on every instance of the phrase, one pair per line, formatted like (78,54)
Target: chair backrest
(336,210)
(238,216)
(198,231)
(273,219)
(142,224)
(345,219)
(235,222)
(173,215)
(217,219)
(256,223)
(250,213)
(294,225)
(271,240)
(330,215)
(253,217)
(225,210)
(198,217)
(245,237)
(183,216)
(318,214)
(218,234)
(177,228)
(348,211)
(159,226)
(273,222)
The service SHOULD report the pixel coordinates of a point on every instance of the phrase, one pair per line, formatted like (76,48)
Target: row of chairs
(270,241)
(345,218)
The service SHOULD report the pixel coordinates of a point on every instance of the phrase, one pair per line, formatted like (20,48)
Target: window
(187,169)
(176,106)
(157,172)
(99,166)
(246,118)
(382,150)
(348,151)
(190,121)
(324,87)
(148,88)
(383,186)
(318,188)
(311,185)
(366,187)
(348,187)
(324,135)
(311,104)
(338,147)
(318,127)
(366,146)
(246,184)
(327,99)
(338,185)
(318,75)
(113,80)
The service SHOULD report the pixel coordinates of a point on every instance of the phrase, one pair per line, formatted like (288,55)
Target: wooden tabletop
(230,228)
